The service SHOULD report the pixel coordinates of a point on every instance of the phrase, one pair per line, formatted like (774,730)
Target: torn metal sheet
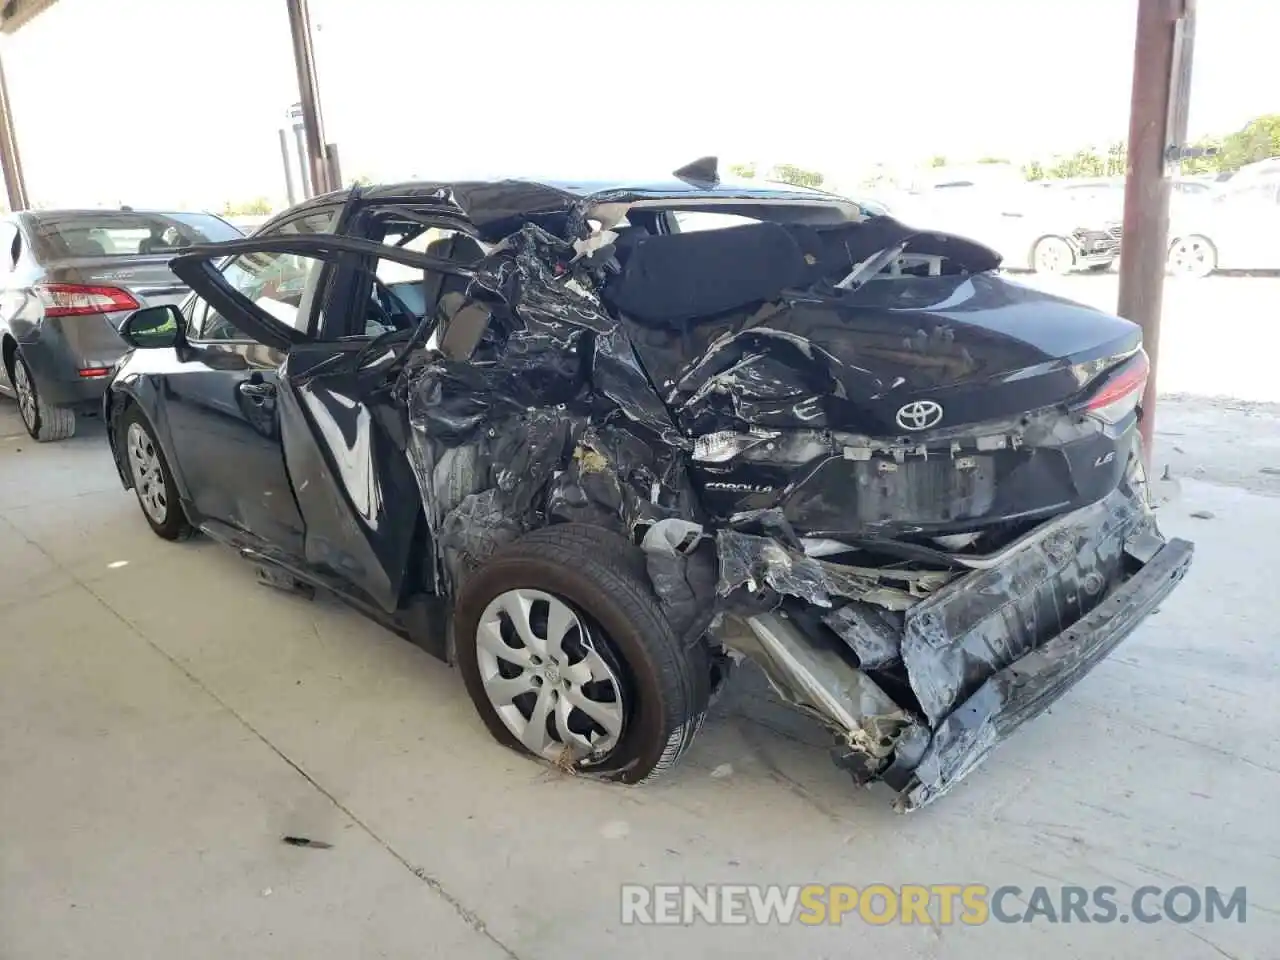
(978,625)
(1026,687)
(815,678)
(753,562)
(871,632)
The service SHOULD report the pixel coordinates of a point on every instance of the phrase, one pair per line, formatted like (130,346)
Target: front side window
(277,282)
(322,221)
(280,284)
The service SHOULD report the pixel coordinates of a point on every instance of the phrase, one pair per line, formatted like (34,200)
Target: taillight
(1118,394)
(76,300)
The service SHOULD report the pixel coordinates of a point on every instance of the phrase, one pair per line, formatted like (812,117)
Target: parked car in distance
(595,459)
(1268,169)
(1237,229)
(1108,192)
(68,279)
(1033,229)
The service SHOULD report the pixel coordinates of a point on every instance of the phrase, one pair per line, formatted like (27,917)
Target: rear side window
(695,220)
(109,234)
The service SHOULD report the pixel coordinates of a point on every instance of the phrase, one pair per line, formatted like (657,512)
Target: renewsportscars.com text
(930,904)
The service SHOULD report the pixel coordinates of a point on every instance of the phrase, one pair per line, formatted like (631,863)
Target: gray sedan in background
(68,279)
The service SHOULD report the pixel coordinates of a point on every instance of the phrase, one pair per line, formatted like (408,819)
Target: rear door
(342,434)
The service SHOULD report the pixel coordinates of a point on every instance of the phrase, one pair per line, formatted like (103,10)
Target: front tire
(566,655)
(43,421)
(1194,256)
(1052,255)
(152,479)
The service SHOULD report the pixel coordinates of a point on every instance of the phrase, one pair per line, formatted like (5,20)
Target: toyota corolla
(597,453)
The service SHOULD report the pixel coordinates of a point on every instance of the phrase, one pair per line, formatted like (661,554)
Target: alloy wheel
(26,392)
(148,479)
(1052,255)
(541,670)
(1192,257)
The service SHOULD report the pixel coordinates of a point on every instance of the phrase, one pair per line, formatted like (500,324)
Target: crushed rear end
(919,678)
(908,489)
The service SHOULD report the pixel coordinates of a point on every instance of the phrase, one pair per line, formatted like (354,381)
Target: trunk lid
(910,407)
(901,358)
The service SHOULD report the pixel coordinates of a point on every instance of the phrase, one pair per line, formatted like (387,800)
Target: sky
(178,102)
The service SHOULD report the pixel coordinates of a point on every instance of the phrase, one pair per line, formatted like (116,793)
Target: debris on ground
(307,842)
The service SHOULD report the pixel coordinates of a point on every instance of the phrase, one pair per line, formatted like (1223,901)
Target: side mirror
(153,327)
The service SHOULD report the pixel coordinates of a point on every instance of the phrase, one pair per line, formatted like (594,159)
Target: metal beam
(317,156)
(288,167)
(1157,132)
(10,160)
(16,14)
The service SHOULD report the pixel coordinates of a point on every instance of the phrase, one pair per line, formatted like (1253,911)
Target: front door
(222,400)
(338,434)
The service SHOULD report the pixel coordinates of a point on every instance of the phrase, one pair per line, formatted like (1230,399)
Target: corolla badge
(919,415)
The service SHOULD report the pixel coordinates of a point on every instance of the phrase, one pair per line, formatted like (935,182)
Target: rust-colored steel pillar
(1157,131)
(304,58)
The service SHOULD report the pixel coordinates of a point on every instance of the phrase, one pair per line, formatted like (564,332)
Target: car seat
(461,322)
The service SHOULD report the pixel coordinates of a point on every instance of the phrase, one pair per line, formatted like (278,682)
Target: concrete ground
(164,722)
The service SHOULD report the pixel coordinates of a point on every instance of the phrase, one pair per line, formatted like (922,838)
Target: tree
(938,161)
(252,208)
(1256,140)
(743,171)
(991,160)
(1204,157)
(1033,170)
(360,180)
(1083,163)
(1115,163)
(798,176)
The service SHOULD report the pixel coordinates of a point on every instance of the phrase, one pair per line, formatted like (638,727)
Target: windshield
(126,234)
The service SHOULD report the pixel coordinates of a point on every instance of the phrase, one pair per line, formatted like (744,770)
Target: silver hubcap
(148,481)
(541,672)
(26,393)
(1051,257)
(1190,256)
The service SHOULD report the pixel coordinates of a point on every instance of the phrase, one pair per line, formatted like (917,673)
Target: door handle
(257,390)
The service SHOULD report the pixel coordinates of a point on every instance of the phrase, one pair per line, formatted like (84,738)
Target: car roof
(496,207)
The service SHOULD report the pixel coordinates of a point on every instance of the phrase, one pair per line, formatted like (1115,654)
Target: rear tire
(153,483)
(45,422)
(599,577)
(1193,256)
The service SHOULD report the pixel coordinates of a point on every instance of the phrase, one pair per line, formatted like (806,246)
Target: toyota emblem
(920,415)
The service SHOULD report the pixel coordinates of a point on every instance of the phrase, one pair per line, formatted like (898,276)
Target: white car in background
(1032,228)
(1237,228)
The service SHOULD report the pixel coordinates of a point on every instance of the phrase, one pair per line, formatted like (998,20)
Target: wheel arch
(113,409)
(8,350)
(119,399)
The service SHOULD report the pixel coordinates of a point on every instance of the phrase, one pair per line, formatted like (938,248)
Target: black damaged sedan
(596,444)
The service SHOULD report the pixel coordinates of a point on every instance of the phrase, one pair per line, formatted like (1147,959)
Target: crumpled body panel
(560,416)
